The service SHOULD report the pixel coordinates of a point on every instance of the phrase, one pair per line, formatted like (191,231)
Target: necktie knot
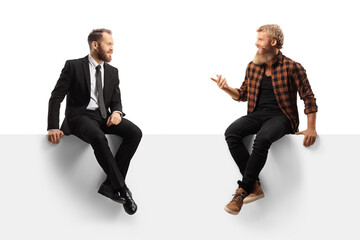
(98,67)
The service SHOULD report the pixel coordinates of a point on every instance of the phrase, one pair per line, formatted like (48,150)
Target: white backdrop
(166,52)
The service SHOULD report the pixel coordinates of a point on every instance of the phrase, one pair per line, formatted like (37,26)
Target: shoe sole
(105,194)
(253,199)
(231,211)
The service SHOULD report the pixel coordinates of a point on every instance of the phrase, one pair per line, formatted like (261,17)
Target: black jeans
(91,128)
(268,127)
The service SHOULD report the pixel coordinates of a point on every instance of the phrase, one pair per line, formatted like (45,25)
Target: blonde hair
(274,31)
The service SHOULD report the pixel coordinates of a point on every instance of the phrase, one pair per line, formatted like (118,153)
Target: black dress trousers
(91,128)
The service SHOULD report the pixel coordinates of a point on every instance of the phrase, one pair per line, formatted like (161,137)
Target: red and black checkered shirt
(288,78)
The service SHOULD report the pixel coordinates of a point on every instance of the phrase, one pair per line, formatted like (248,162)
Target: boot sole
(253,199)
(231,211)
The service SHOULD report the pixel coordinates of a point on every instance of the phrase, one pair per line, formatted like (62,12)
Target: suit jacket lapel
(87,72)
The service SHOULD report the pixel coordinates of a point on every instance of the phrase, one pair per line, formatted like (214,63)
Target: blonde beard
(262,58)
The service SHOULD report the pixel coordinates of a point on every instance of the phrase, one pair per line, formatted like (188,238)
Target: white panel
(181,184)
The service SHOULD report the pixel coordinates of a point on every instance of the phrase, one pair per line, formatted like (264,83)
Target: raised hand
(221,82)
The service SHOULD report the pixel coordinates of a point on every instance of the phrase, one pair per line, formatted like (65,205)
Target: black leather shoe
(107,191)
(129,205)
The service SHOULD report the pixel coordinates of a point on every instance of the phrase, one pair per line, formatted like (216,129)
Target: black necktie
(100,92)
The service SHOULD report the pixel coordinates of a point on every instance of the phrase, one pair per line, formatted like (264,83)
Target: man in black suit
(88,117)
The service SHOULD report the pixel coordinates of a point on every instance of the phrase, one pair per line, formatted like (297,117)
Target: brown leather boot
(255,194)
(236,203)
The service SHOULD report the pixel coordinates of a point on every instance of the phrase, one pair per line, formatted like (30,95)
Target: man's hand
(55,135)
(114,119)
(310,132)
(221,82)
(309,136)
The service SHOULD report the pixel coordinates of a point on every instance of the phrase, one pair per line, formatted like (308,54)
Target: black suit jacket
(74,82)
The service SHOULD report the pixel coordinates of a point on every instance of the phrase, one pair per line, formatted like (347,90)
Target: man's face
(105,48)
(266,48)
(263,42)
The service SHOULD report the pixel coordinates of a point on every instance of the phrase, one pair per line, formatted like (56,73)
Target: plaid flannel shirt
(288,78)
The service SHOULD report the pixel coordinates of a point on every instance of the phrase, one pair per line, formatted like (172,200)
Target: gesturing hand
(221,82)
(114,119)
(309,136)
(55,135)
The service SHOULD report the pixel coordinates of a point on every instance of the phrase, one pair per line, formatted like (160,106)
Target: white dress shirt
(93,103)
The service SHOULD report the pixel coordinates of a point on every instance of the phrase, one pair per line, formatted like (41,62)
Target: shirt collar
(94,63)
(279,58)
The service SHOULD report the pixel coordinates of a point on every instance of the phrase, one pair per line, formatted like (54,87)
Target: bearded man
(93,109)
(270,88)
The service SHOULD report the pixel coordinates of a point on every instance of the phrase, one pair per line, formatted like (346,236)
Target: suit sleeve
(57,96)
(116,96)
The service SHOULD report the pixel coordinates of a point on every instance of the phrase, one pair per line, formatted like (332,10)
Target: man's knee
(98,138)
(90,135)
(262,141)
(134,133)
(229,132)
(231,137)
(233,132)
(137,133)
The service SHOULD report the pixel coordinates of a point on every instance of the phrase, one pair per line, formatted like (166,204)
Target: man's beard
(266,56)
(102,55)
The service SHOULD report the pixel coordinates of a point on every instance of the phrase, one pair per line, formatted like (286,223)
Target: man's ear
(94,45)
(273,42)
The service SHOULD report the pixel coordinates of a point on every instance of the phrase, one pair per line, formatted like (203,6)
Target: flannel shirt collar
(279,58)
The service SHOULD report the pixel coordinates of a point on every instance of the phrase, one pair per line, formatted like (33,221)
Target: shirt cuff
(239,95)
(121,114)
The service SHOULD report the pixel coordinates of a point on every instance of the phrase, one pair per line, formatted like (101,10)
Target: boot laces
(238,196)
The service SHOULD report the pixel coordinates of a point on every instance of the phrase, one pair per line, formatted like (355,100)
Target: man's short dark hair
(96,35)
